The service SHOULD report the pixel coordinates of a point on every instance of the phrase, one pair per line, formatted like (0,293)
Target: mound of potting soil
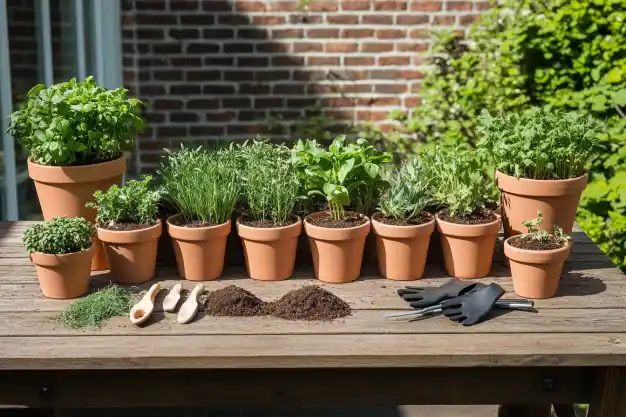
(234,301)
(309,303)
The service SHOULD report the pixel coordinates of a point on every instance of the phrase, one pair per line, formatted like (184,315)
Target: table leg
(564,410)
(609,393)
(520,410)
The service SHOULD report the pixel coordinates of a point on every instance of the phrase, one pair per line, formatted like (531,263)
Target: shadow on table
(577,284)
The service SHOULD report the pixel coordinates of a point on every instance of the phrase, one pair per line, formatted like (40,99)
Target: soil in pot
(402,245)
(234,301)
(310,303)
(337,245)
(131,250)
(468,242)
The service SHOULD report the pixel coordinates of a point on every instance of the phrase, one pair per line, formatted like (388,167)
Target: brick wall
(220,70)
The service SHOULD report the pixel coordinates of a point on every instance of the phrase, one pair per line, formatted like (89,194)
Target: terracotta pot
(131,254)
(337,253)
(522,198)
(536,274)
(63,276)
(64,191)
(270,252)
(402,250)
(468,249)
(200,251)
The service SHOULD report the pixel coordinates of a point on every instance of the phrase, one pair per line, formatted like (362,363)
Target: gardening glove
(470,308)
(420,297)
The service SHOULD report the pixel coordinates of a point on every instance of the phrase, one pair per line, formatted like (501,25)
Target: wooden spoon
(189,309)
(171,300)
(143,309)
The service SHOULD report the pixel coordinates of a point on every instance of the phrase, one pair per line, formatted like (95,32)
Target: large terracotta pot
(131,254)
(521,198)
(536,274)
(200,251)
(63,276)
(468,249)
(402,250)
(270,252)
(337,253)
(64,191)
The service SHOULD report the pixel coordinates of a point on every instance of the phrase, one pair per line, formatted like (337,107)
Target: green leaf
(345,170)
(615,75)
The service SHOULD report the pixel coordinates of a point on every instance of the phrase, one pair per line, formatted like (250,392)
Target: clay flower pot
(63,276)
(270,252)
(63,192)
(536,273)
(522,198)
(131,253)
(468,249)
(337,253)
(402,250)
(200,251)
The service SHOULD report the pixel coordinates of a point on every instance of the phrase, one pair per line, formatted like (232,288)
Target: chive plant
(539,144)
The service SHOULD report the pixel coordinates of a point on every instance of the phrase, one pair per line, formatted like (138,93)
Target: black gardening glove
(419,297)
(470,308)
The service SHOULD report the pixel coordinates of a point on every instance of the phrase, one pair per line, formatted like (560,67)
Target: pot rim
(197,233)
(130,236)
(54,174)
(317,213)
(49,259)
(289,226)
(540,188)
(522,179)
(174,226)
(563,248)
(336,234)
(408,231)
(432,219)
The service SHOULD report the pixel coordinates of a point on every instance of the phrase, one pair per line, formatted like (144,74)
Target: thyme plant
(59,236)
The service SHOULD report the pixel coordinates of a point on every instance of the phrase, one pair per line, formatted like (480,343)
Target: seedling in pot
(537,239)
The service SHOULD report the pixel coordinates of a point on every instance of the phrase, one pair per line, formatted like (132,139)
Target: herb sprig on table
(94,309)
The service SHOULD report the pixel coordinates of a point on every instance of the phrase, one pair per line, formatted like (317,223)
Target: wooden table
(571,350)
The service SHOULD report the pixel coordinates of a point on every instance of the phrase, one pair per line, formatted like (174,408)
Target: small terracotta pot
(64,191)
(131,253)
(337,253)
(536,274)
(270,252)
(522,198)
(200,251)
(402,250)
(468,249)
(63,276)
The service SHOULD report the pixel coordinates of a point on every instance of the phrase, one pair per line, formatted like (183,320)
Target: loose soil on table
(530,244)
(482,217)
(125,227)
(234,301)
(346,222)
(266,224)
(310,303)
(424,218)
(194,223)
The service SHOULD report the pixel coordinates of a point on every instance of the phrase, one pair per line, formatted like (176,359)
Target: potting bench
(571,350)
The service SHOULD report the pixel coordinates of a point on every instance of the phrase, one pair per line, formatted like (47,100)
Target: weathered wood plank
(609,393)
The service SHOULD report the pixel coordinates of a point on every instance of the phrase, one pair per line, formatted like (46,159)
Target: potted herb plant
(536,259)
(269,230)
(76,134)
(402,225)
(129,228)
(348,177)
(540,158)
(468,227)
(61,250)
(204,187)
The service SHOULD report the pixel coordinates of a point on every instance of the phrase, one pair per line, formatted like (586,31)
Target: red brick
(322,33)
(217,6)
(413,101)
(150,5)
(390,4)
(166,104)
(254,88)
(272,47)
(417,19)
(358,61)
(168,75)
(287,33)
(342,47)
(171,131)
(420,34)
(342,19)
(183,5)
(322,61)
(181,117)
(308,47)
(468,19)
(249,6)
(203,104)
(394,60)
(289,89)
(443,20)
(185,89)
(233,19)
(340,114)
(192,19)
(356,4)
(282,6)
(309,19)
(337,102)
(206,130)
(391,33)
(220,116)
(253,61)
(378,19)
(268,20)
(391,88)
(411,47)
(426,6)
(322,6)
(459,5)
(371,115)
(287,61)
(482,6)
(357,33)
(384,101)
(376,47)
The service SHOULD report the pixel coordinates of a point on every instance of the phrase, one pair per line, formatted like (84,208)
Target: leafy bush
(136,202)
(202,185)
(410,192)
(58,236)
(76,123)
(534,233)
(538,144)
(345,174)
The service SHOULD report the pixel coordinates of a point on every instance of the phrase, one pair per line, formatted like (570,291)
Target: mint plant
(538,144)
(59,236)
(534,233)
(76,123)
(136,203)
(411,191)
(347,175)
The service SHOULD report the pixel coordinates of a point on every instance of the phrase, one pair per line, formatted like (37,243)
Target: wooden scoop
(189,309)
(171,300)
(143,309)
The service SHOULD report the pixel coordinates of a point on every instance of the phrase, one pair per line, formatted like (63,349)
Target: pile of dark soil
(481,217)
(121,227)
(234,301)
(309,303)
(351,220)
(424,218)
(530,244)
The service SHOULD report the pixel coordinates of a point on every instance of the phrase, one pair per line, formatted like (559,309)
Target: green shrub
(136,202)
(76,123)
(58,236)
